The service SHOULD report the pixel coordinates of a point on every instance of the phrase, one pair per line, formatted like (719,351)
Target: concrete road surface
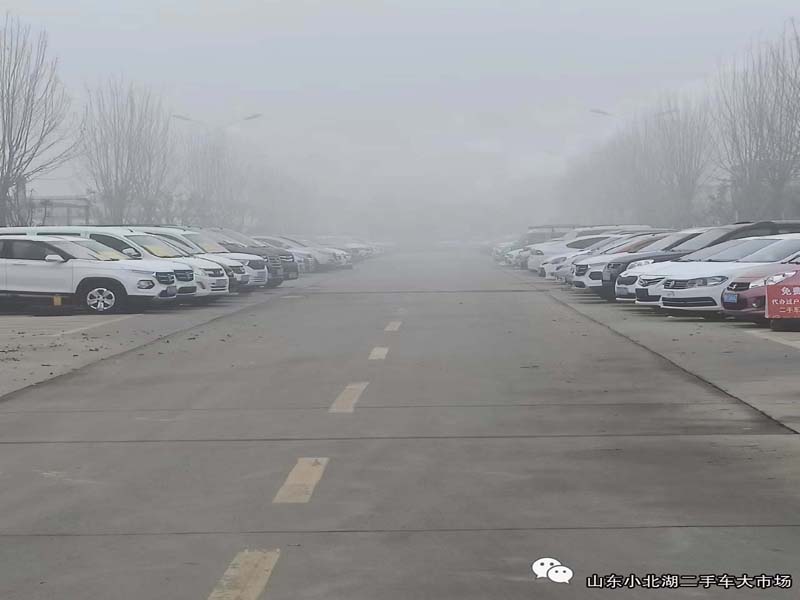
(425,426)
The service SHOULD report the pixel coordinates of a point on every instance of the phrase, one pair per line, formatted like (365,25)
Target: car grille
(643,296)
(219,285)
(259,277)
(187,289)
(627,280)
(287,258)
(688,302)
(239,270)
(581,270)
(257,265)
(648,281)
(739,286)
(165,278)
(186,275)
(215,272)
(274,261)
(676,284)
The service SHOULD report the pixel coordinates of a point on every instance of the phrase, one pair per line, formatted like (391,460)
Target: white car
(541,252)
(198,278)
(695,283)
(306,258)
(96,277)
(248,270)
(589,269)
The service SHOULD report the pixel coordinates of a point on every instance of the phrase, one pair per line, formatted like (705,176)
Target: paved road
(423,427)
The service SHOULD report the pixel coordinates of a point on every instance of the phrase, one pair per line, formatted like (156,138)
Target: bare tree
(34,114)
(215,182)
(128,151)
(680,153)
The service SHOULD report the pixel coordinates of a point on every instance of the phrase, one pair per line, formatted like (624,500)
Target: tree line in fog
(139,164)
(731,153)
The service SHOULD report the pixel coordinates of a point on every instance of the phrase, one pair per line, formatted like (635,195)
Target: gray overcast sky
(461,99)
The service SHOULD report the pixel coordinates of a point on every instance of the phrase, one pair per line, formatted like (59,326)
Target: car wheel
(783,324)
(103,297)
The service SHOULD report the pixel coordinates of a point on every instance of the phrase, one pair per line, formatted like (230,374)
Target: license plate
(221,281)
(669,293)
(623,289)
(730,297)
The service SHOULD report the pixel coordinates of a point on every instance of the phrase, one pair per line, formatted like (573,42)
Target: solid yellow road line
(378,353)
(300,484)
(393,326)
(346,401)
(247,575)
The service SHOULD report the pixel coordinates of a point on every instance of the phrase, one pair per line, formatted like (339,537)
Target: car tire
(784,324)
(102,297)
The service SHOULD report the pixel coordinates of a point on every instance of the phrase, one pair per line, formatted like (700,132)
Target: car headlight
(199,273)
(772,279)
(228,271)
(593,266)
(537,252)
(706,281)
(145,284)
(640,263)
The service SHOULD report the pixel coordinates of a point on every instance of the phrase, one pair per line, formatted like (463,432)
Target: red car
(745,296)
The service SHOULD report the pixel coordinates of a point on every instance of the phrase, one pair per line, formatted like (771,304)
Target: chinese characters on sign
(783,301)
(763,581)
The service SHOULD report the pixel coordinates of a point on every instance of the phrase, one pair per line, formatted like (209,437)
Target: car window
(206,243)
(705,239)
(88,250)
(778,251)
(637,245)
(668,241)
(746,248)
(27,250)
(156,246)
(183,244)
(110,241)
(585,242)
(710,251)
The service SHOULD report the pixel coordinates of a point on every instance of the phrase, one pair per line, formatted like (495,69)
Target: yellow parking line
(378,353)
(346,401)
(300,484)
(393,326)
(247,575)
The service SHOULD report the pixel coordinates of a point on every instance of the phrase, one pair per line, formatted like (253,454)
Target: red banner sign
(783,299)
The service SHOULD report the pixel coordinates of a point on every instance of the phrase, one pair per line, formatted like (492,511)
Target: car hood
(197,263)
(149,264)
(240,256)
(592,259)
(765,270)
(220,259)
(658,256)
(691,270)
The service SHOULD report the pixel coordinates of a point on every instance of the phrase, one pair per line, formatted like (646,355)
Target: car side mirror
(132,252)
(54,258)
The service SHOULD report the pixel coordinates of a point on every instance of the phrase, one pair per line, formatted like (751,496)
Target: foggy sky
(463,100)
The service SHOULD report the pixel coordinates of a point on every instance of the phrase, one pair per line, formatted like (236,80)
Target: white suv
(98,278)
(197,278)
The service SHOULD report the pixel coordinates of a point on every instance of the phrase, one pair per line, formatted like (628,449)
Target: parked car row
(713,272)
(113,268)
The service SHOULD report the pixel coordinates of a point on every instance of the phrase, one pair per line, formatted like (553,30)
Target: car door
(28,272)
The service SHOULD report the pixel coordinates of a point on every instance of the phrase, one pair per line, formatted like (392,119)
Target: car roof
(38,238)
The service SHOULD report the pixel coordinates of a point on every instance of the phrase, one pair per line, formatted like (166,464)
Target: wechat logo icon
(552,569)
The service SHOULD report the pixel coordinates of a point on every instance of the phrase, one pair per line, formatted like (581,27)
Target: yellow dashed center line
(346,401)
(247,575)
(300,484)
(378,353)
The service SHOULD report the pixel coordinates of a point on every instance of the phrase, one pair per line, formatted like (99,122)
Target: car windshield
(746,248)
(182,243)
(640,244)
(206,243)
(775,252)
(242,238)
(156,246)
(707,238)
(668,241)
(89,250)
(710,251)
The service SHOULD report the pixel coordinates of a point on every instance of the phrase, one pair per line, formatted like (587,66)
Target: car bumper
(747,305)
(693,299)
(647,296)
